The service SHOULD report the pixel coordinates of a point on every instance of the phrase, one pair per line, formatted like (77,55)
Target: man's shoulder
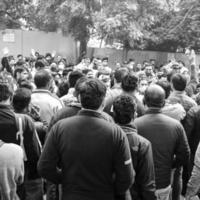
(148,118)
(66,112)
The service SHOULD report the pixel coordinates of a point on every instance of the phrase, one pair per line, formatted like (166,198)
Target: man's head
(21,73)
(21,99)
(43,79)
(92,94)
(119,74)
(129,83)
(154,96)
(149,70)
(124,108)
(166,87)
(20,57)
(73,77)
(143,84)
(6,90)
(39,65)
(179,82)
(105,61)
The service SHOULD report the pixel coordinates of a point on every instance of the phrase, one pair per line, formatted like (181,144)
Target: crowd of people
(90,132)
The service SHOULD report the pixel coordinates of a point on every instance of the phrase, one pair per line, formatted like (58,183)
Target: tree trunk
(83,47)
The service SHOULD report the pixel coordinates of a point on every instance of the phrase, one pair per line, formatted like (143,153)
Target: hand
(192,57)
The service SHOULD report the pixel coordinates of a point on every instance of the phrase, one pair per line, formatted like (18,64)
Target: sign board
(8,37)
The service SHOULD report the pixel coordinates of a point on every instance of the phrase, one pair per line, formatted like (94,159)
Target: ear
(103,104)
(79,98)
(163,103)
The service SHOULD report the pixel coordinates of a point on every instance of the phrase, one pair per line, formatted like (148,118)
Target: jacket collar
(129,128)
(153,110)
(4,106)
(91,113)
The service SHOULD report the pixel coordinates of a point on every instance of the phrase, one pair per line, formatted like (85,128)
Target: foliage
(140,24)
(12,12)
(178,28)
(127,21)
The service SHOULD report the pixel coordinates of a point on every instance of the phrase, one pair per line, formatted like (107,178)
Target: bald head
(155,96)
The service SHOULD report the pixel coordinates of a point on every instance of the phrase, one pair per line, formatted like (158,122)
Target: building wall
(139,56)
(40,41)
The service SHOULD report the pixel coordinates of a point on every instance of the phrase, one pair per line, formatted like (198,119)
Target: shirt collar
(41,91)
(175,92)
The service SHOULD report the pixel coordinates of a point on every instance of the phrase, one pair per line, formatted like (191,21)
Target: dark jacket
(168,139)
(90,151)
(70,111)
(192,128)
(142,157)
(8,131)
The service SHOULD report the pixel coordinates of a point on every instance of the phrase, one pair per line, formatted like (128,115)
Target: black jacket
(8,131)
(142,158)
(192,128)
(168,139)
(89,151)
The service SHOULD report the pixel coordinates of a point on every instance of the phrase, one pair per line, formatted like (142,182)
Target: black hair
(19,55)
(92,94)
(21,99)
(63,89)
(39,64)
(179,82)
(25,84)
(166,87)
(105,58)
(124,108)
(42,78)
(73,77)
(120,73)
(129,82)
(6,90)
(20,70)
(66,71)
(47,55)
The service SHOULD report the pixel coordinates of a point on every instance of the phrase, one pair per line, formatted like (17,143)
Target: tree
(178,27)
(128,22)
(71,16)
(12,12)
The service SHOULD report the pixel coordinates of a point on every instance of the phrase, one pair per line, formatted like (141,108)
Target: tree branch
(182,21)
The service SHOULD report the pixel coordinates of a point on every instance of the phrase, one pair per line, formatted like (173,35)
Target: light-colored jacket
(11,170)
(48,103)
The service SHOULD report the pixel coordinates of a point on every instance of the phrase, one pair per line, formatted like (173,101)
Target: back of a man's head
(129,82)
(154,96)
(124,108)
(92,94)
(21,99)
(179,82)
(73,77)
(166,87)
(39,65)
(6,90)
(42,79)
(120,73)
